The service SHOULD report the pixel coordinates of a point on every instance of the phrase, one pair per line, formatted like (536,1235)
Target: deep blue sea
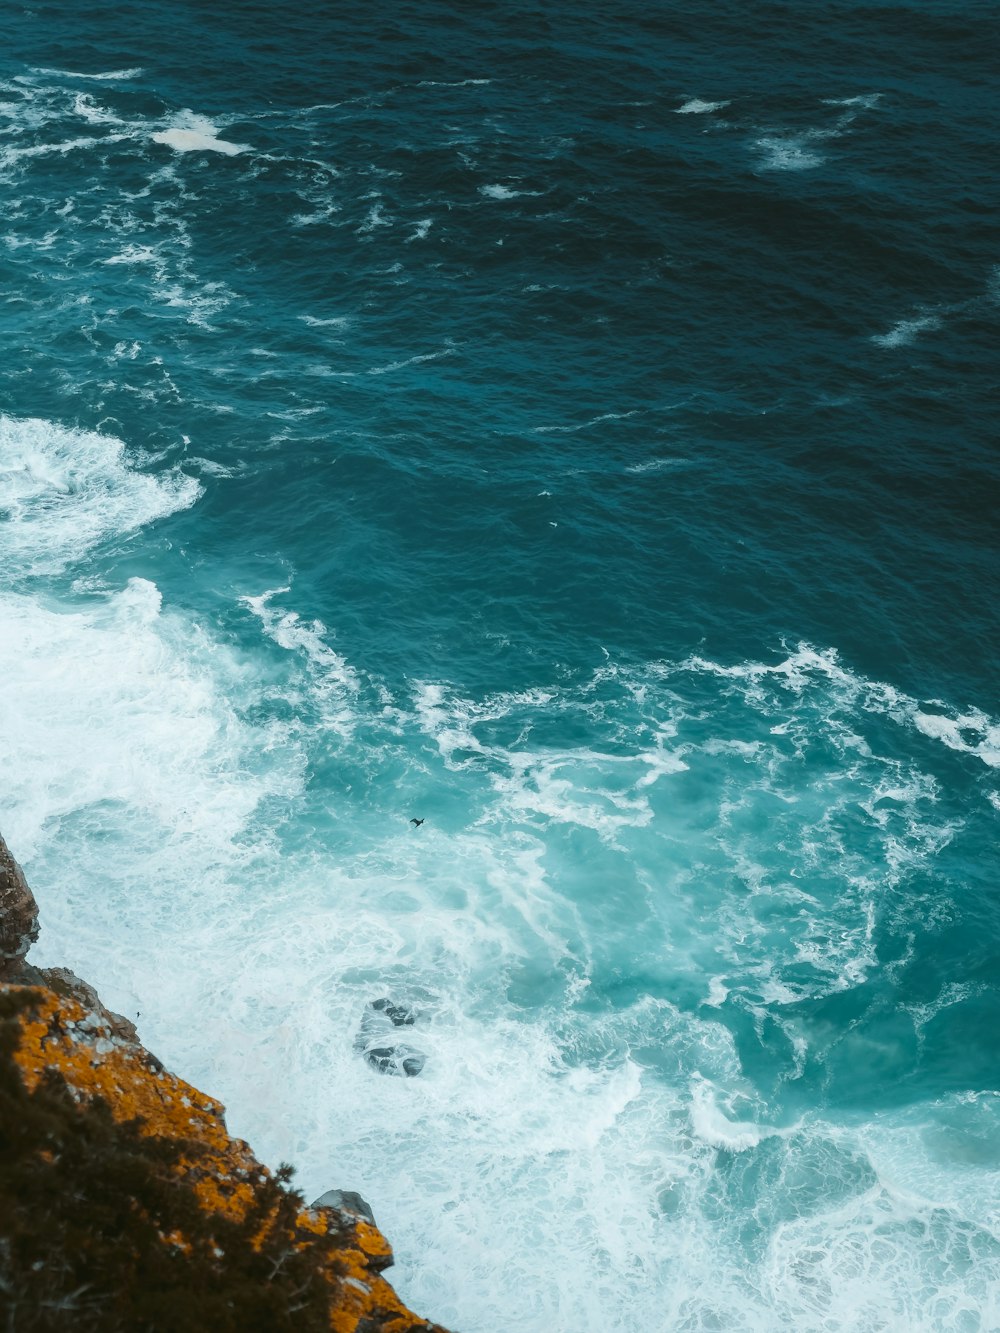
(572,425)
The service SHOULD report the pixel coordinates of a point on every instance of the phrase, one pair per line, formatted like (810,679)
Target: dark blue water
(574,427)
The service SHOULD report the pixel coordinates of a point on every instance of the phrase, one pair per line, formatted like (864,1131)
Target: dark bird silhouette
(418,822)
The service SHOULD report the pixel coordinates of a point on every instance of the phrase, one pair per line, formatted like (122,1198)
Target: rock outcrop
(125,1203)
(18,913)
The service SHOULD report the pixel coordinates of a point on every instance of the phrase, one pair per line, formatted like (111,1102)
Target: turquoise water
(574,429)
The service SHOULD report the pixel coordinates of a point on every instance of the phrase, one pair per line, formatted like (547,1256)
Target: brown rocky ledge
(124,1202)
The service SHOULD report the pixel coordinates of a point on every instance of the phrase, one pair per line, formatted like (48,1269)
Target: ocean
(574,427)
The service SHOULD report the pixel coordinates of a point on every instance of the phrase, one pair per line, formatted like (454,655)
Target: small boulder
(345,1201)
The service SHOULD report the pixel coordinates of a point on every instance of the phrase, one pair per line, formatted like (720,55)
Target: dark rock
(400,1015)
(345,1201)
(376,1039)
(403,1060)
(18,913)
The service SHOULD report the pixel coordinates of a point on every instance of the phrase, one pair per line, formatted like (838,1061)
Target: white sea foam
(585,425)
(277,960)
(334,322)
(658,465)
(971,733)
(696,107)
(906,331)
(201,303)
(333,680)
(41,243)
(161,253)
(883,1260)
(374,219)
(64,491)
(797,151)
(788,152)
(111,714)
(190,133)
(193,141)
(461,83)
(866,101)
(504,192)
(109,76)
(93,113)
(717,992)
(562,788)
(806,668)
(13,156)
(410,361)
(590,788)
(714,1127)
(314,219)
(208,467)
(135,254)
(662,760)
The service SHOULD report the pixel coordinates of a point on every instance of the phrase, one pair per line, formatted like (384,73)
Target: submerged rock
(376,1039)
(400,1015)
(403,1060)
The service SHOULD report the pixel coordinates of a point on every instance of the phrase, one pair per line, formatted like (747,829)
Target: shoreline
(203,1234)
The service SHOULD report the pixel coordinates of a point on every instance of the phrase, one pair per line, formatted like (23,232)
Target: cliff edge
(124,1202)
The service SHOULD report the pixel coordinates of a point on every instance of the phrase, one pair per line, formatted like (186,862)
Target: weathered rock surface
(125,1203)
(67,984)
(18,913)
(346,1201)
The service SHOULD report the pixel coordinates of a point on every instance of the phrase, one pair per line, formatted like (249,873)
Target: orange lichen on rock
(58,1035)
(65,1038)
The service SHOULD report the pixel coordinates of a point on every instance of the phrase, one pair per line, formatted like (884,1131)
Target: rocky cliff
(124,1202)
